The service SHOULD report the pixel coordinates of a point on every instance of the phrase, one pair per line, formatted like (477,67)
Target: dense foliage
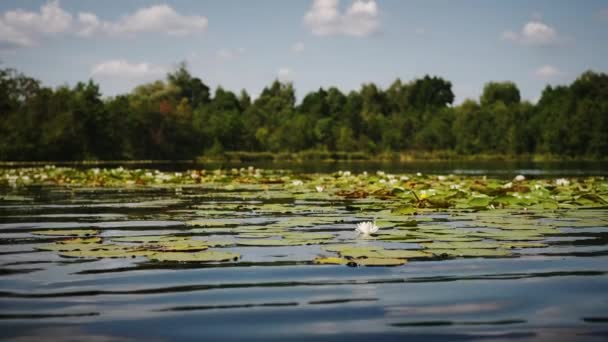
(180,118)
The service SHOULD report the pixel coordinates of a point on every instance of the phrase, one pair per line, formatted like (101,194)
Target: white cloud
(157,19)
(20,28)
(24,28)
(120,68)
(546,72)
(533,33)
(284,74)
(360,19)
(297,47)
(10,37)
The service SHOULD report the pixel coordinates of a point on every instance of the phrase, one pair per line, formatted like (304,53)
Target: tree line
(181,118)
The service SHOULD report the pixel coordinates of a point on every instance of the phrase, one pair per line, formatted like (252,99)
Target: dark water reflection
(555,294)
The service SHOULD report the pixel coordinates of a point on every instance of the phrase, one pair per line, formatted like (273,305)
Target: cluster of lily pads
(86,243)
(419,216)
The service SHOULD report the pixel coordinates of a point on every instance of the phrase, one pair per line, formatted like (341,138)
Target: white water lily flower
(442,178)
(562,182)
(320,188)
(380,173)
(297,182)
(519,178)
(404,178)
(366,228)
(419,174)
(346,174)
(507,186)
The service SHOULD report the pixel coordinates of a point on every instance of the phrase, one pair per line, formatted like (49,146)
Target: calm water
(559,293)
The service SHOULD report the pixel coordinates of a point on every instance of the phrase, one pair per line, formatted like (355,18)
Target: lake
(123,254)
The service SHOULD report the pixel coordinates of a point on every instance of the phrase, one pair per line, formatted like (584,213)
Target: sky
(242,44)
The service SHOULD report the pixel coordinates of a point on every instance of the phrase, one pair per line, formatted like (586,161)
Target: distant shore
(325,157)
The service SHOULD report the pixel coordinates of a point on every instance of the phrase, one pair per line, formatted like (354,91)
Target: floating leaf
(275,242)
(212,223)
(404,210)
(523,245)
(149,238)
(205,256)
(461,245)
(380,262)
(469,252)
(67,232)
(106,251)
(331,261)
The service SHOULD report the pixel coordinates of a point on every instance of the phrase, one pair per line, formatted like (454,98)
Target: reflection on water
(276,293)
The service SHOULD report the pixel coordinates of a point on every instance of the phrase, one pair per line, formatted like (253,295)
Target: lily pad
(275,242)
(106,251)
(67,232)
(205,256)
(380,262)
(331,261)
(470,252)
(149,238)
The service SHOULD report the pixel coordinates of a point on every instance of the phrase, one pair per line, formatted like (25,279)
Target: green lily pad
(512,245)
(331,261)
(275,242)
(80,240)
(205,256)
(404,210)
(380,262)
(106,251)
(149,238)
(511,235)
(307,236)
(376,252)
(469,252)
(461,245)
(58,246)
(176,246)
(213,223)
(67,232)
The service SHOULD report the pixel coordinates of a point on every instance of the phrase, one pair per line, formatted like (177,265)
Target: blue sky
(313,43)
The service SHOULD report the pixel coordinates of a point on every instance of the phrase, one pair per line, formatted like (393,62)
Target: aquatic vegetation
(366,228)
(402,217)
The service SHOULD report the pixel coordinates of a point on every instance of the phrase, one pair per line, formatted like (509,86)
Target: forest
(181,118)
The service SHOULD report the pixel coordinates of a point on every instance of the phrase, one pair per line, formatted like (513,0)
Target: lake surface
(557,292)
